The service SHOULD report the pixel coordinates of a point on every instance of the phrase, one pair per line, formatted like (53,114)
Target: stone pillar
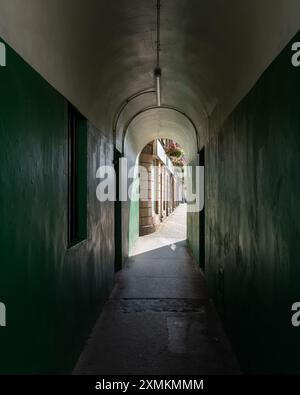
(146,221)
(149,220)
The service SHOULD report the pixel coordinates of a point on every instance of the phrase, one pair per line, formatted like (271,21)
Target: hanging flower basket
(174,150)
(179,162)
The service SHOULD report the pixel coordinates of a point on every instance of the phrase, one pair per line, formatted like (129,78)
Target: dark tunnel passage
(100,282)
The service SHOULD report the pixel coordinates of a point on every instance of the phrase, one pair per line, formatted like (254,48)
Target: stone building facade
(161,187)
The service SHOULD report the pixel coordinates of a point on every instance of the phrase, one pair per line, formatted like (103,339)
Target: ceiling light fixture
(157,75)
(157,70)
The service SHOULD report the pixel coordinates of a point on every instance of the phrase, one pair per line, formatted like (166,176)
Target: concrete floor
(159,318)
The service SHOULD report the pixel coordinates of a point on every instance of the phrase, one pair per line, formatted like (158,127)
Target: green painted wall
(130,210)
(52,294)
(253,221)
(133,224)
(193,227)
(134,216)
(193,234)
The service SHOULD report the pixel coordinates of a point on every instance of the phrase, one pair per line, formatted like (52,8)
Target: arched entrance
(153,125)
(161,180)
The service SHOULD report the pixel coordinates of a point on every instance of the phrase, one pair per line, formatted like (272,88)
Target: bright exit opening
(162,204)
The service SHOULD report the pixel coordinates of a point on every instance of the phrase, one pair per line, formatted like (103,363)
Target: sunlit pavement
(171,231)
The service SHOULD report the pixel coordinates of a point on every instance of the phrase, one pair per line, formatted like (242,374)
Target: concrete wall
(52,294)
(253,221)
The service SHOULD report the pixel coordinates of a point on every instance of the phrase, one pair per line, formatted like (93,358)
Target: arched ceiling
(97,53)
(156,124)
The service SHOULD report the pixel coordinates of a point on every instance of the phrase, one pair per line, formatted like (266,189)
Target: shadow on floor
(159,320)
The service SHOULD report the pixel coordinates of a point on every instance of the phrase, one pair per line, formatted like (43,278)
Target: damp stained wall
(253,221)
(52,294)
(131,209)
(193,225)
(130,226)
